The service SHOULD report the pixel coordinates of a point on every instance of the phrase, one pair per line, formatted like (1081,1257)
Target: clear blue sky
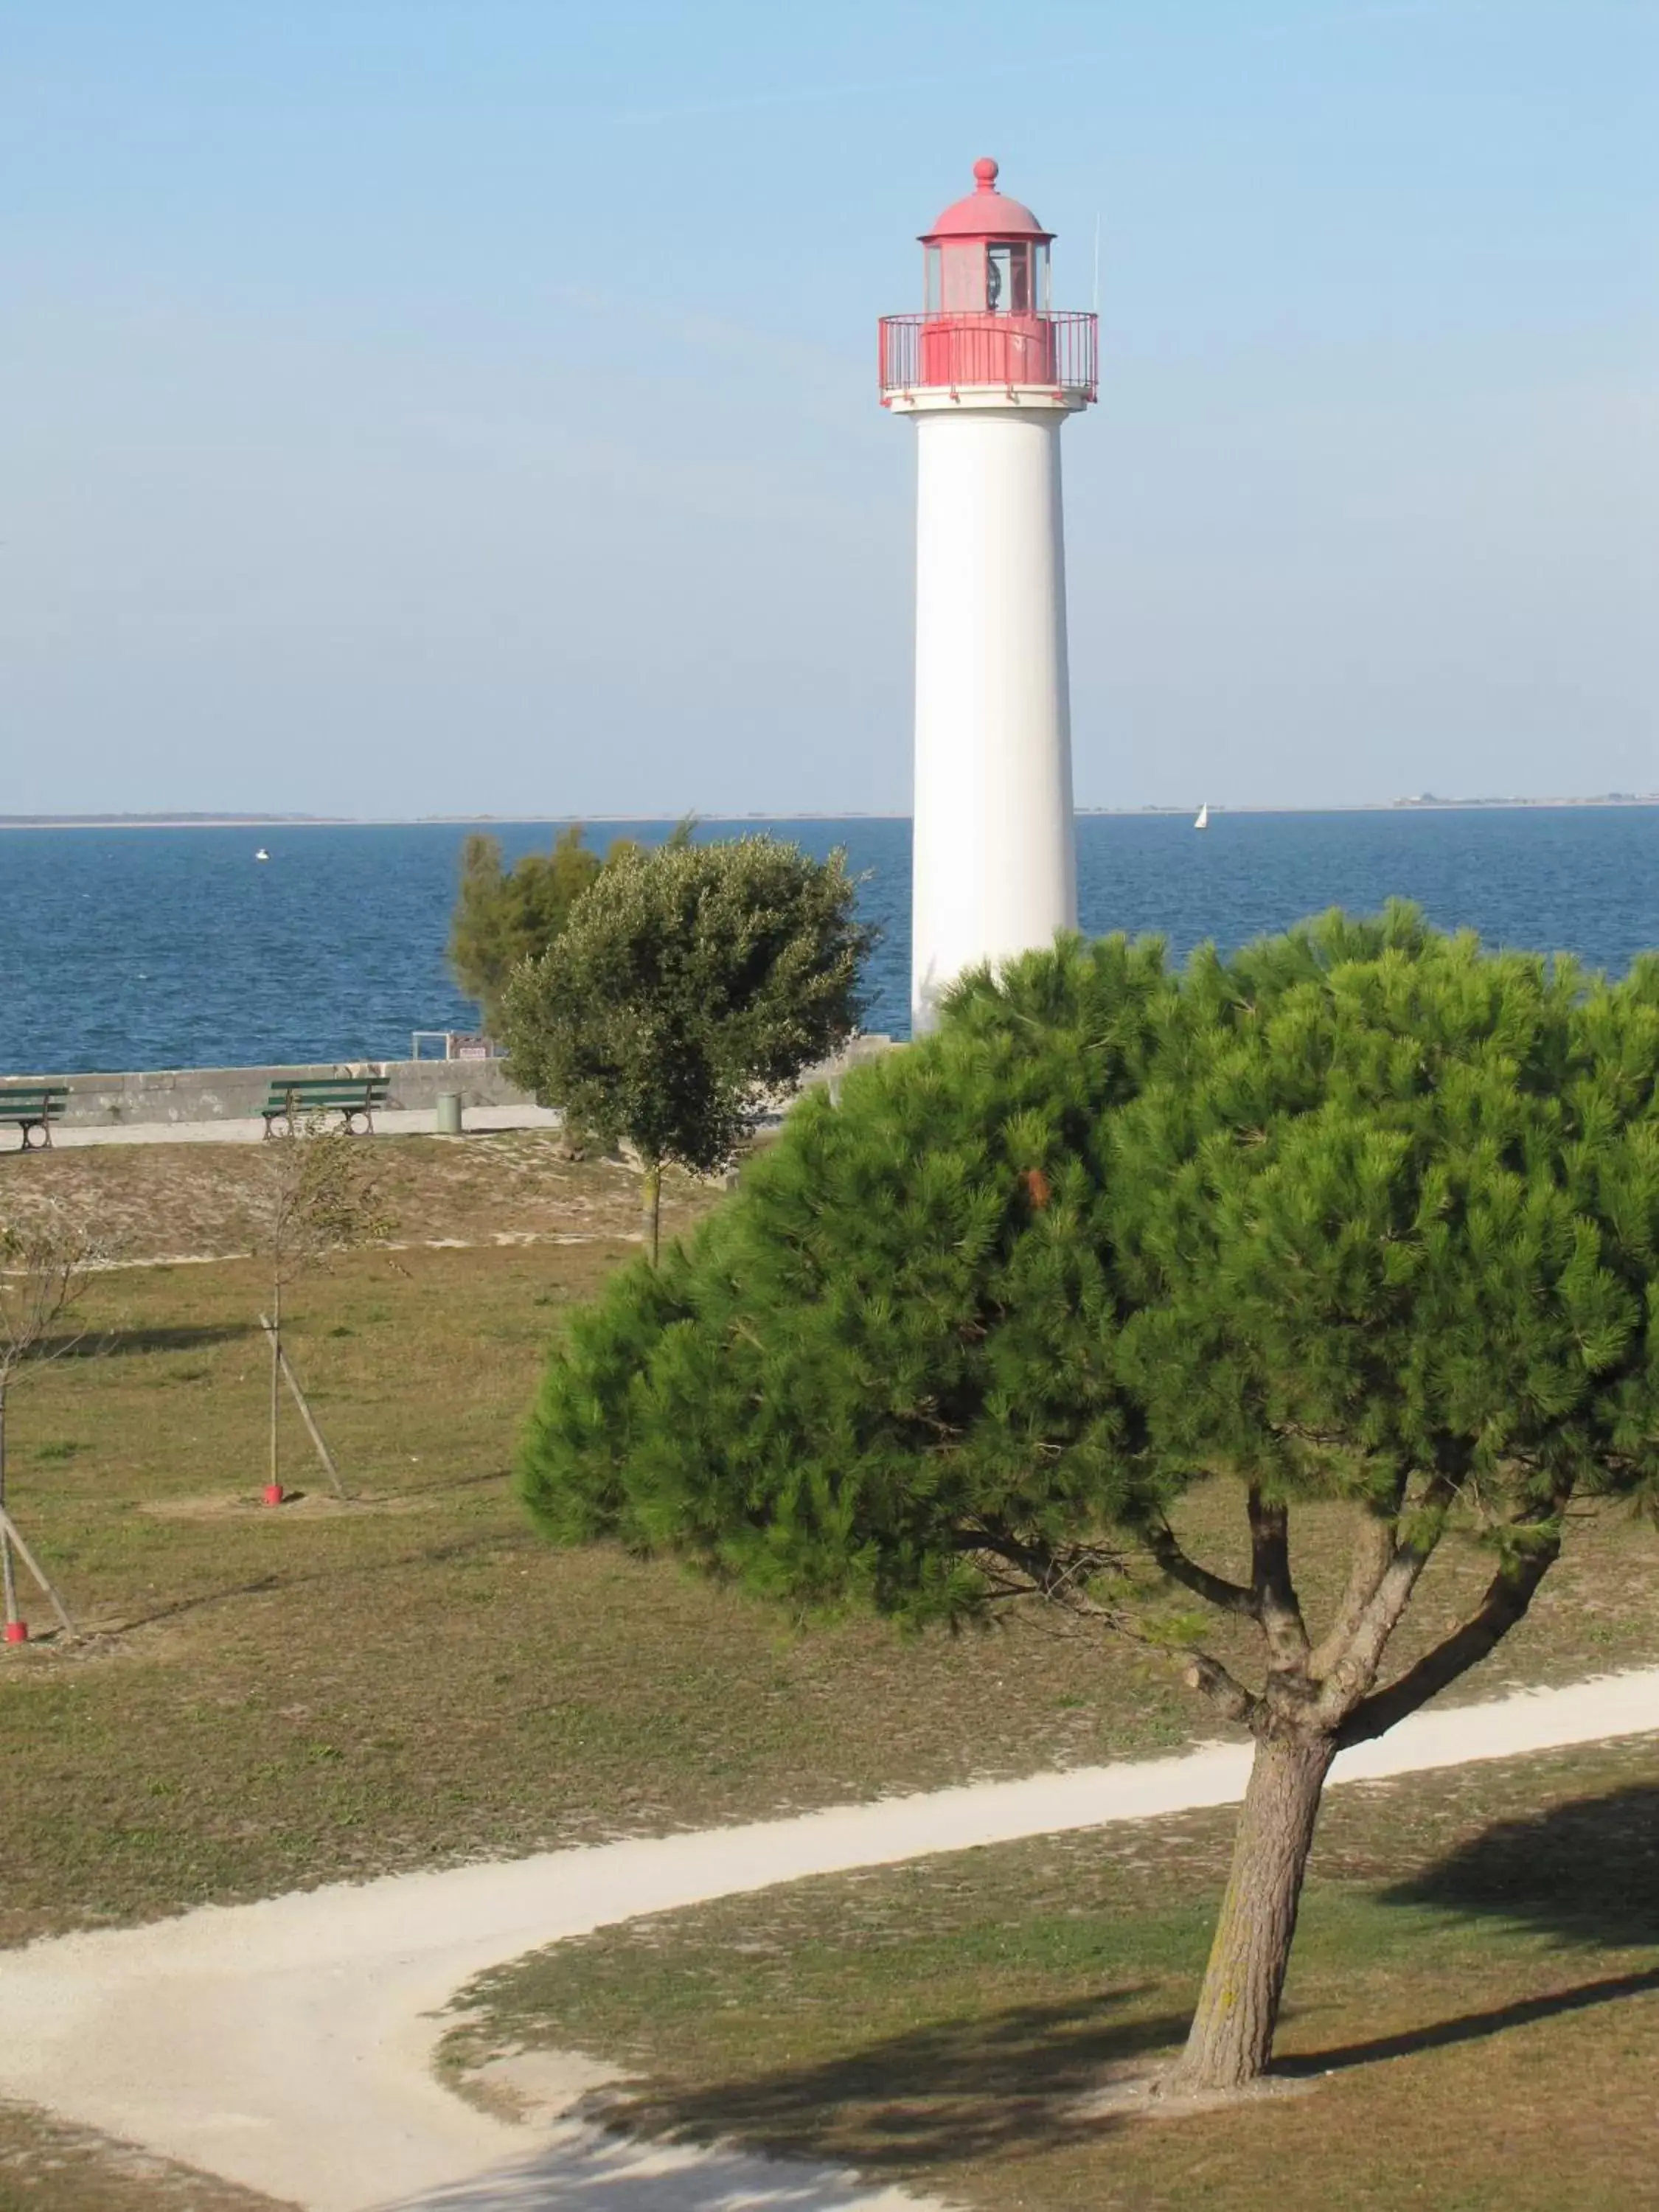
(466,405)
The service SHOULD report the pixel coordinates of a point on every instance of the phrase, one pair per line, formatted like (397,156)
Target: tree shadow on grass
(1473,2026)
(339,1573)
(114,1343)
(446,1483)
(599,2172)
(1585,1872)
(175,1608)
(1006,2083)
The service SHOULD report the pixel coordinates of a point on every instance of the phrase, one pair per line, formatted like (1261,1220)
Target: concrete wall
(216,1094)
(830,1071)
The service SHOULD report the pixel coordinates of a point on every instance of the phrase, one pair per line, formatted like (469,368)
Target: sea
(150,947)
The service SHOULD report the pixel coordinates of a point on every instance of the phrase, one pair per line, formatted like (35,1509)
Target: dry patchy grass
(1472,2010)
(47,2165)
(273,1698)
(276,1697)
(154,1202)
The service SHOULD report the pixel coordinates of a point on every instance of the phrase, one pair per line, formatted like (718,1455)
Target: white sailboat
(262,855)
(1203,820)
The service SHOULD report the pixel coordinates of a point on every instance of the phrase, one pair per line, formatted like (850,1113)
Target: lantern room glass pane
(1040,277)
(932,294)
(963,276)
(1008,279)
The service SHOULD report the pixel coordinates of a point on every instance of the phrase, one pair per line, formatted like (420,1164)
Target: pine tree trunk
(1232,2039)
(8,1565)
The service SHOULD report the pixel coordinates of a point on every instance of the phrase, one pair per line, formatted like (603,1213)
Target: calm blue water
(157,948)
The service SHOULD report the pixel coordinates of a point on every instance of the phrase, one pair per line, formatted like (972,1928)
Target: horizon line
(1162,810)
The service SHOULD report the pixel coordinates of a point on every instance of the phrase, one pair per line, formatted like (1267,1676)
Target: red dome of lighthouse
(986,213)
(987,323)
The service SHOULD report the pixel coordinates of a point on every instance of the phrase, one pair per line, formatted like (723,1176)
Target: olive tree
(1363,1217)
(504,916)
(689,985)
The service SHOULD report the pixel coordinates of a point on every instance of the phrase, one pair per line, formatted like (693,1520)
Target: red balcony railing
(945,352)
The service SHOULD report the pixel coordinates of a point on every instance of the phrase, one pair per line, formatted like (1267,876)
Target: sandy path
(287,2044)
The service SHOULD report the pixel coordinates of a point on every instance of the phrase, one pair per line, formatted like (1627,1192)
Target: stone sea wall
(216,1094)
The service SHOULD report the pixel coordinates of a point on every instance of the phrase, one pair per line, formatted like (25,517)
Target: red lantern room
(986,322)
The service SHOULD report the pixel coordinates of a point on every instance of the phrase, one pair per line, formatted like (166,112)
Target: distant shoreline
(488,822)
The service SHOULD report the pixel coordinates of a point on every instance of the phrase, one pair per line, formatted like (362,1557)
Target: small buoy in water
(262,855)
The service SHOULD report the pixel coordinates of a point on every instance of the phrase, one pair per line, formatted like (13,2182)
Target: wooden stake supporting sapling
(302,1406)
(45,1262)
(319,1196)
(17,1631)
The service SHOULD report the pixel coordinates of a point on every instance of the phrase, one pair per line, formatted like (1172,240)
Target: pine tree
(1364,1216)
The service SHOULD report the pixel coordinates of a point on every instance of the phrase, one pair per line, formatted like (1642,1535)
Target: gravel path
(287,2044)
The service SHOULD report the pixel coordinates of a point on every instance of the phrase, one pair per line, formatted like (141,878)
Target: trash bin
(449,1114)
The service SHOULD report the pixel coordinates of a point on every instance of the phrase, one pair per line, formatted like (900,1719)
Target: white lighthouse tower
(990,372)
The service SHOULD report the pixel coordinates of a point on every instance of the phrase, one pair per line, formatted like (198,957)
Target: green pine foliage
(1365,1213)
(869,1342)
(1388,1206)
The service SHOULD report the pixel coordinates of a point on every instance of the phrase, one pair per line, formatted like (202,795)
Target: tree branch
(1275,1603)
(1228,1695)
(1214,1589)
(1373,1550)
(1355,1669)
(1508,1596)
(1062,1579)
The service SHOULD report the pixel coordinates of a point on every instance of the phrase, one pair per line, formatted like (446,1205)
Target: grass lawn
(46,2166)
(1472,2020)
(275,1697)
(280,1697)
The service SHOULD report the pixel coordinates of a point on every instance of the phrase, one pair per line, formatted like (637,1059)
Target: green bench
(354,1097)
(27,1107)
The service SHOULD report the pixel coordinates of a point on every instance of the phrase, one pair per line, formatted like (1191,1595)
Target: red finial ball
(985,173)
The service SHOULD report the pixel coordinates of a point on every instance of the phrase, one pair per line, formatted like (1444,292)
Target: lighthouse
(990,372)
